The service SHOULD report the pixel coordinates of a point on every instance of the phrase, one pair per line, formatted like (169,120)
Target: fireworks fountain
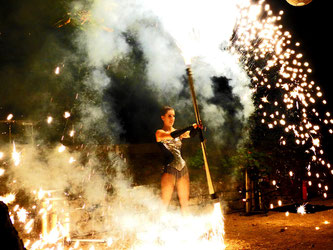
(134,218)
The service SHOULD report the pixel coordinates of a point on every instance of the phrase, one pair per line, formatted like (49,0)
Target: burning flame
(8,198)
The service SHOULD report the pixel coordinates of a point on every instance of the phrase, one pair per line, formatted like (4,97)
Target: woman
(175,171)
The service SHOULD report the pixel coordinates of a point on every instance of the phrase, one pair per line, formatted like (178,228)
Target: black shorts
(176,173)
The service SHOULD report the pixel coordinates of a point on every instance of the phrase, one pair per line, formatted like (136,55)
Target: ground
(275,230)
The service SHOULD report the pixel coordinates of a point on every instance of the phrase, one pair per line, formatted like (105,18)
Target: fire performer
(175,171)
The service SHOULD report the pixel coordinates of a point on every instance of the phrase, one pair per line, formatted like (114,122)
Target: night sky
(32,45)
(311,26)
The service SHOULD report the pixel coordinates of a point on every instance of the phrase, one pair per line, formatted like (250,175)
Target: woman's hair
(165,109)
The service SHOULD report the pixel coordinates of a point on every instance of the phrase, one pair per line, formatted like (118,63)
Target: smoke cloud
(163,32)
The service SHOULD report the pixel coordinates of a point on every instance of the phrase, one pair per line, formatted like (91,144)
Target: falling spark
(67,114)
(301,210)
(71,133)
(280,203)
(9,117)
(317,228)
(326,222)
(287,213)
(264,48)
(109,242)
(76,245)
(61,148)
(71,160)
(2,171)
(1,155)
(28,226)
(22,215)
(15,156)
(40,194)
(49,119)
(57,70)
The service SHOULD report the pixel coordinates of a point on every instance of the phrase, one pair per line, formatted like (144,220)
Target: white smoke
(166,31)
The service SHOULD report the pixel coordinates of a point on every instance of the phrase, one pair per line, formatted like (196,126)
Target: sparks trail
(284,94)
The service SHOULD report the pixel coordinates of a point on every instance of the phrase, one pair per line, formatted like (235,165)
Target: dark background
(311,25)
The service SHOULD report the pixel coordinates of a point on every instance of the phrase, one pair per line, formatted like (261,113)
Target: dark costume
(173,162)
(9,238)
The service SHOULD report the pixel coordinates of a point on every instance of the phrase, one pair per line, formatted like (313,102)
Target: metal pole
(247,190)
(198,120)
(10,132)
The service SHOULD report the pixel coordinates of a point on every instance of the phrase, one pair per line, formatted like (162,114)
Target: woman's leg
(183,190)
(167,186)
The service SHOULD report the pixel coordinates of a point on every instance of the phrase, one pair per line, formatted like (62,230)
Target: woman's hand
(195,125)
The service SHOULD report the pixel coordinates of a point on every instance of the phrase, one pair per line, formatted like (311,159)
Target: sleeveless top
(171,150)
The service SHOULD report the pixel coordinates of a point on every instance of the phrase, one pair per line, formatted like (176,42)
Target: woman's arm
(161,135)
(192,132)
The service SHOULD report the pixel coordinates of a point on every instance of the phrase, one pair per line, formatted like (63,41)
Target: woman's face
(169,118)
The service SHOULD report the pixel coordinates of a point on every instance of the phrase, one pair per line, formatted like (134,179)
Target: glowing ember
(15,156)
(67,114)
(71,133)
(109,242)
(49,119)
(61,148)
(71,160)
(40,194)
(287,213)
(9,117)
(1,155)
(301,210)
(2,171)
(57,70)
(22,214)
(28,226)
